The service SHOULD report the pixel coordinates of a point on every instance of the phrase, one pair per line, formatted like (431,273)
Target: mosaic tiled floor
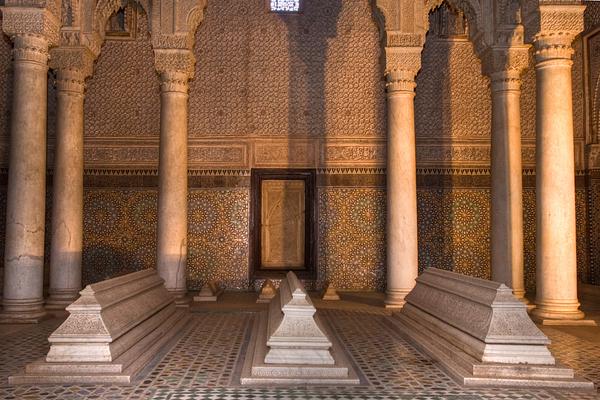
(205,363)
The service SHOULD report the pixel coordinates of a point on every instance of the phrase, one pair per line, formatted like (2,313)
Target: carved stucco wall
(123,96)
(5,85)
(453,97)
(262,73)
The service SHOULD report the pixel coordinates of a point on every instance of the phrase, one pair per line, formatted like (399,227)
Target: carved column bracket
(37,27)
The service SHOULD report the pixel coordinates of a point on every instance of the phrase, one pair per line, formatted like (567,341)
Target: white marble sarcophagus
(290,344)
(113,331)
(480,333)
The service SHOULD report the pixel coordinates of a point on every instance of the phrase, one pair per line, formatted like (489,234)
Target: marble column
(67,186)
(507,182)
(556,261)
(401,223)
(26,194)
(173,184)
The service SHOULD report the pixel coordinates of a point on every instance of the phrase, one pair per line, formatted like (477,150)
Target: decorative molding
(351,171)
(354,153)
(285,153)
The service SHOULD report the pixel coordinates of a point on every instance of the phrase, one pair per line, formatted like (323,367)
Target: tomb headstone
(267,292)
(209,292)
(291,344)
(330,294)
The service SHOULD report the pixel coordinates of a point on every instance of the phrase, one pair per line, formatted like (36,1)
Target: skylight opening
(285,6)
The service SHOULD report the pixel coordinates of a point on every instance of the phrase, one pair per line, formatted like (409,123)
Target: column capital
(401,67)
(176,67)
(504,66)
(553,45)
(558,27)
(73,65)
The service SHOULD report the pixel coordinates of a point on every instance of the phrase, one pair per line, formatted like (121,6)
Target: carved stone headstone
(294,336)
(267,292)
(114,329)
(209,292)
(480,333)
(330,294)
(291,344)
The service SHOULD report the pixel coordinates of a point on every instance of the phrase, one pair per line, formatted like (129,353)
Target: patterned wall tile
(529,222)
(352,238)
(119,232)
(594,231)
(123,96)
(218,237)
(453,228)
(5,83)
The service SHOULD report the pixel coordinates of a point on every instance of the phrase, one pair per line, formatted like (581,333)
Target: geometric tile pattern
(453,229)
(352,238)
(594,229)
(119,232)
(205,363)
(218,237)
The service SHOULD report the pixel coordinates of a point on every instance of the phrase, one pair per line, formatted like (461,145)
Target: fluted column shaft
(507,182)
(26,196)
(173,184)
(556,261)
(401,223)
(67,185)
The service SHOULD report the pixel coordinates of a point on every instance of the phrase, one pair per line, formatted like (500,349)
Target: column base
(394,298)
(559,313)
(181,299)
(22,311)
(59,300)
(526,301)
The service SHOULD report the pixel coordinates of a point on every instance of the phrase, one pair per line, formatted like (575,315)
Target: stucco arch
(105,8)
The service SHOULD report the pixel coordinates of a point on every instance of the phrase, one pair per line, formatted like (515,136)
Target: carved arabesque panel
(123,95)
(528,102)
(453,97)
(312,74)
(5,81)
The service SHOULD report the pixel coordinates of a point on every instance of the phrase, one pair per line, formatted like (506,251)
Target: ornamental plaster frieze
(272,153)
(297,153)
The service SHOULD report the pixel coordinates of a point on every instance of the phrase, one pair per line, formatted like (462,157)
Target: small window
(285,6)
